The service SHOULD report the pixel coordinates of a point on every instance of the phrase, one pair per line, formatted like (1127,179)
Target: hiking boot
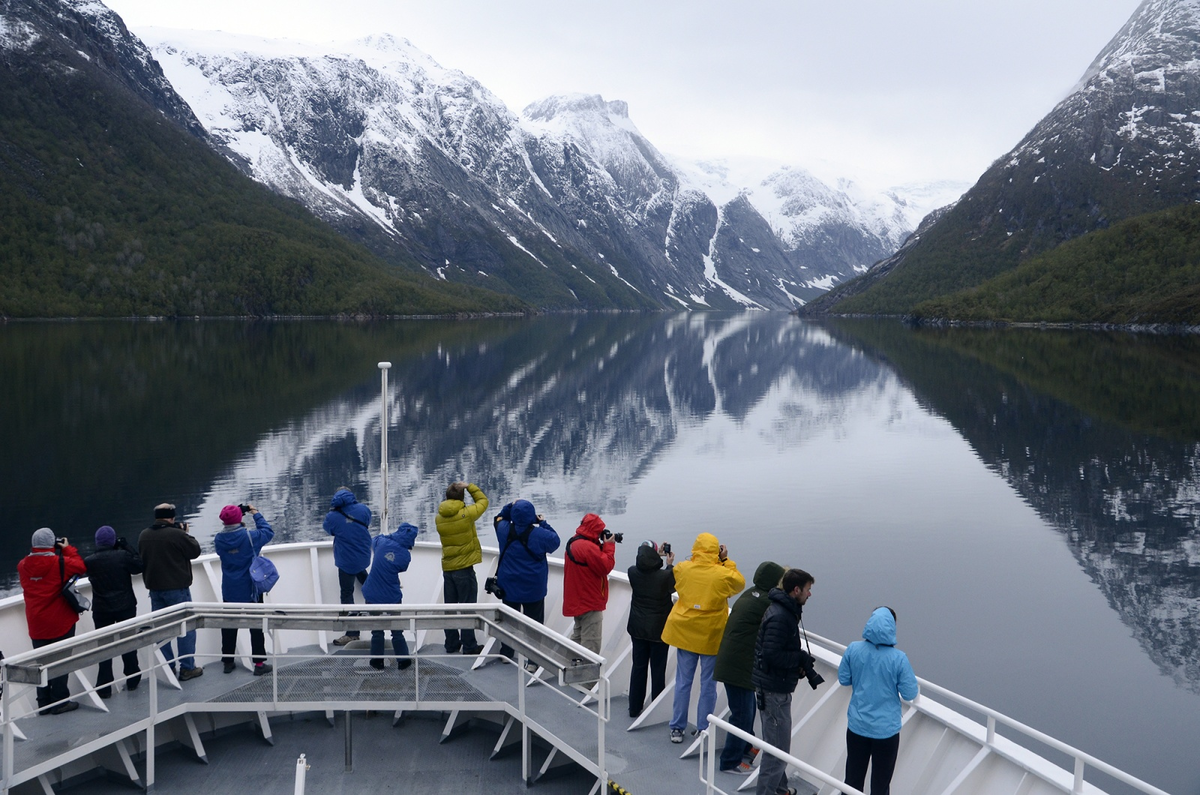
(676,735)
(472,650)
(66,706)
(229,666)
(403,663)
(190,673)
(345,640)
(132,682)
(104,692)
(261,669)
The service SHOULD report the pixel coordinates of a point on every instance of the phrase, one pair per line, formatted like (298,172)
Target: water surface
(1025,500)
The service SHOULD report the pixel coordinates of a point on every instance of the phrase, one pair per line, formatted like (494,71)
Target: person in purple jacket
(525,540)
(349,522)
(237,546)
(392,556)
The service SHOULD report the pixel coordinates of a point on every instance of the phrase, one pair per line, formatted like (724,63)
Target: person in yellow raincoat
(697,621)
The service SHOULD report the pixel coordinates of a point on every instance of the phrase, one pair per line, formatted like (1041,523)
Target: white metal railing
(574,667)
(708,759)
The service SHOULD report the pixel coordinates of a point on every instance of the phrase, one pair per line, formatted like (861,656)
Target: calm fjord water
(1025,500)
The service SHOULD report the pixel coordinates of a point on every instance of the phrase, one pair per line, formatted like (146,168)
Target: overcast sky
(887,91)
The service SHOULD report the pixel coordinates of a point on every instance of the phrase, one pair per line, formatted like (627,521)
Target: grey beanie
(43,537)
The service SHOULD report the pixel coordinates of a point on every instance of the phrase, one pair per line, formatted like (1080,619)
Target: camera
(244,508)
(664,549)
(607,534)
(61,541)
(810,673)
(492,585)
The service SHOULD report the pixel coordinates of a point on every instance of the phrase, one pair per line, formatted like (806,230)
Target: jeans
(186,641)
(56,689)
(648,656)
(535,610)
(776,730)
(346,584)
(685,671)
(881,754)
(741,714)
(129,659)
(399,644)
(460,587)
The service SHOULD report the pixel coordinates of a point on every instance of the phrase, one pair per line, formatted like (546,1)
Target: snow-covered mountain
(567,205)
(1125,142)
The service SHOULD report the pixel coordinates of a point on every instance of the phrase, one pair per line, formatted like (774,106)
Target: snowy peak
(1150,45)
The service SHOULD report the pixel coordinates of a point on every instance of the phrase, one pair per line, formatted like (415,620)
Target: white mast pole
(383,451)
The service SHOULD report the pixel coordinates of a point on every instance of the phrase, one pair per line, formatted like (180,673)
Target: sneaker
(190,673)
(676,735)
(229,666)
(531,666)
(262,668)
(472,650)
(344,640)
(66,706)
(742,769)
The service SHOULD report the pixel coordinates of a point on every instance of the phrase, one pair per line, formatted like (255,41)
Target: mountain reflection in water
(1025,499)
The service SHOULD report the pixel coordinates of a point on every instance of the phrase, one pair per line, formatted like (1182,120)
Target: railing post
(710,743)
(349,736)
(150,740)
(991,730)
(383,450)
(6,705)
(301,770)
(1078,788)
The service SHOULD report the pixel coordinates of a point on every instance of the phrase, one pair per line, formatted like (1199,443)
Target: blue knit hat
(106,537)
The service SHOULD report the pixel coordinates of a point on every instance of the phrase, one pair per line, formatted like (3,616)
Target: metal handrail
(709,767)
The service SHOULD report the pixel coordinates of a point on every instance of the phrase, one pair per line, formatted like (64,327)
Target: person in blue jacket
(525,539)
(349,522)
(237,546)
(382,587)
(880,675)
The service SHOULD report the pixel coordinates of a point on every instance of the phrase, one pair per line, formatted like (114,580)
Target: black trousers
(129,659)
(346,589)
(56,689)
(648,656)
(535,610)
(880,753)
(258,643)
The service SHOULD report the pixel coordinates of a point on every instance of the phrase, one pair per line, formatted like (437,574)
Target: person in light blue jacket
(880,675)
(349,522)
(392,556)
(237,546)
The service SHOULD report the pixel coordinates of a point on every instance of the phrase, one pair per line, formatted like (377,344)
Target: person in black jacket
(168,549)
(652,582)
(110,569)
(779,659)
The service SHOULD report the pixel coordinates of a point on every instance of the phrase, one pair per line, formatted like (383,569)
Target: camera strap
(575,560)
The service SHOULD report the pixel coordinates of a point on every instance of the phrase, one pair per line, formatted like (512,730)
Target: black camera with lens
(244,508)
(665,549)
(607,534)
(492,585)
(807,663)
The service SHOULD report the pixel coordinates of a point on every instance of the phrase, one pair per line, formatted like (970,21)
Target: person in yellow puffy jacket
(697,622)
(455,522)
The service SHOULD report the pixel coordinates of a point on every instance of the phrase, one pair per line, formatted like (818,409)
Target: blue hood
(881,628)
(523,514)
(342,498)
(406,534)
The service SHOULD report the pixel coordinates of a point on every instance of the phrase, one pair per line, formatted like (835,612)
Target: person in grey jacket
(110,570)
(879,675)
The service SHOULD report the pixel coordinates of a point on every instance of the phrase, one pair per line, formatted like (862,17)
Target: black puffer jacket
(777,652)
(109,569)
(652,586)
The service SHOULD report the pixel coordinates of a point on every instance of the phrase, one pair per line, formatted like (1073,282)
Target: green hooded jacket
(735,658)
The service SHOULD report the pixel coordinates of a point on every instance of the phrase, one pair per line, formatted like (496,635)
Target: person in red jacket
(590,556)
(43,572)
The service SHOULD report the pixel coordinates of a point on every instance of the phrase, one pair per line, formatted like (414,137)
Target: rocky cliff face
(567,205)
(1125,142)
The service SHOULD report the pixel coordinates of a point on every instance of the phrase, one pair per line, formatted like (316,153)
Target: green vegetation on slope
(109,209)
(1142,270)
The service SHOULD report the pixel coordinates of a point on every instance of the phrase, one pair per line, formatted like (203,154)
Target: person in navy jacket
(349,522)
(237,546)
(392,556)
(525,540)
(879,675)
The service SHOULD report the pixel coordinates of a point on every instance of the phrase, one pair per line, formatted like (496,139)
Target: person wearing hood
(652,581)
(349,522)
(455,523)
(110,570)
(735,664)
(779,659)
(525,538)
(590,556)
(237,546)
(393,553)
(696,624)
(879,675)
(51,562)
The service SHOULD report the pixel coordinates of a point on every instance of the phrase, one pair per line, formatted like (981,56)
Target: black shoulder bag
(77,601)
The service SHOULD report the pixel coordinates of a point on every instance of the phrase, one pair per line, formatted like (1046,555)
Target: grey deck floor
(406,758)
